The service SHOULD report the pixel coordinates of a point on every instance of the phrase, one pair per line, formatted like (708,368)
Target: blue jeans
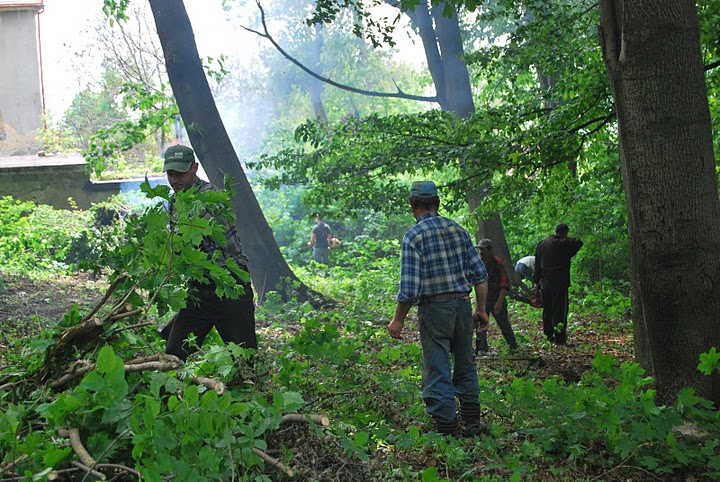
(446,331)
(321,255)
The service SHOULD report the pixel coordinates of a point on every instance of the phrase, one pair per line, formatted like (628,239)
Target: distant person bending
(525,267)
(496,301)
(439,268)
(552,275)
(320,240)
(233,319)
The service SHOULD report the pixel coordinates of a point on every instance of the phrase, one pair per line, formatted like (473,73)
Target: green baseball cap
(178,158)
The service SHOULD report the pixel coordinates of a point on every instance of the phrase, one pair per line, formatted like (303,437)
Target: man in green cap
(233,319)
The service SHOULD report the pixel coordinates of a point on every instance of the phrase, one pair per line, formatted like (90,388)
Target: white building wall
(20,95)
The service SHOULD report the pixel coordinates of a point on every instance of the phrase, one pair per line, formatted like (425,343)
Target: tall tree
(652,53)
(437,23)
(208,136)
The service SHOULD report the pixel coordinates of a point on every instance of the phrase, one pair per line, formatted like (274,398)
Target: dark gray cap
(423,189)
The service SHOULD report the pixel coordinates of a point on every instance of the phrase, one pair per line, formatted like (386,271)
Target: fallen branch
(5,469)
(73,374)
(209,383)
(89,470)
(160,366)
(85,458)
(157,362)
(104,299)
(127,314)
(274,462)
(321,420)
(154,357)
(120,467)
(135,327)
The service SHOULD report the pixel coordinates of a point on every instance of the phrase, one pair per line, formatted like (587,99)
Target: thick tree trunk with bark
(652,53)
(212,145)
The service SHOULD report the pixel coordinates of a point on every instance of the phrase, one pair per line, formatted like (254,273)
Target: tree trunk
(423,22)
(458,92)
(212,145)
(652,53)
(315,87)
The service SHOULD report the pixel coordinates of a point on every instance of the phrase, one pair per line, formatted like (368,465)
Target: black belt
(445,297)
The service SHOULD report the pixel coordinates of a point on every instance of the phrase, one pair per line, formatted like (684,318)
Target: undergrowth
(340,363)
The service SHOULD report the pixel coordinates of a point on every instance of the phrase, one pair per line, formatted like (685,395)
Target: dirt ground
(26,306)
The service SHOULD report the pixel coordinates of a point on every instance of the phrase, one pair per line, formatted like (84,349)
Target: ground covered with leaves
(555,413)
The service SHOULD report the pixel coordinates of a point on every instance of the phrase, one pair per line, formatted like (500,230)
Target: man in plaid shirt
(439,268)
(233,319)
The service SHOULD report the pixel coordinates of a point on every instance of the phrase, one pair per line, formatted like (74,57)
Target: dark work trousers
(555,312)
(503,322)
(233,319)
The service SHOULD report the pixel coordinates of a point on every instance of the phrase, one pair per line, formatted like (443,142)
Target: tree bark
(213,147)
(652,53)
(315,87)
(458,92)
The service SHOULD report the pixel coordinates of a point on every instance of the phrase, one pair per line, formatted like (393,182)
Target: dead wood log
(321,420)
(274,462)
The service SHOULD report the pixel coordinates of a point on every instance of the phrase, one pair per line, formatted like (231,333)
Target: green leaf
(430,474)
(361,438)
(709,361)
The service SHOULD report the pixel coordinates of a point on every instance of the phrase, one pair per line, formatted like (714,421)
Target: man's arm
(537,272)
(398,322)
(312,239)
(480,317)
(575,246)
(503,287)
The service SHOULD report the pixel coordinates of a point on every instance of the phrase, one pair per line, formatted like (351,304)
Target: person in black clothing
(320,240)
(552,275)
(496,302)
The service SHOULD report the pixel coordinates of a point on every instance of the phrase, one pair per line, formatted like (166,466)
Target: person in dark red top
(496,302)
(552,273)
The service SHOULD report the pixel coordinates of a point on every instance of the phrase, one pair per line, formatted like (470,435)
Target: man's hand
(395,329)
(498,306)
(480,318)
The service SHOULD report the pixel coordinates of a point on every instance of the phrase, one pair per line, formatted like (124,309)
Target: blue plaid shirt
(438,257)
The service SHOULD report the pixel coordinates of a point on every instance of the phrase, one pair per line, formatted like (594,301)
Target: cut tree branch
(209,383)
(274,462)
(85,458)
(107,295)
(158,362)
(321,420)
